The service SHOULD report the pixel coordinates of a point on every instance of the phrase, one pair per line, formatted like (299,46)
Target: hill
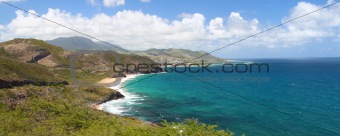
(180,56)
(81,43)
(37,96)
(21,55)
(28,61)
(32,51)
(158,55)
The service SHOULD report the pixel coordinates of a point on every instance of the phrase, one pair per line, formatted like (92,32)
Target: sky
(198,25)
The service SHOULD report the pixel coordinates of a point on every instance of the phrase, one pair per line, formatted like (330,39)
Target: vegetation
(56,51)
(14,70)
(179,56)
(4,53)
(69,109)
(61,110)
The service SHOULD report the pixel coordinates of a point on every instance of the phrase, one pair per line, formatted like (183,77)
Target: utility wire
(251,36)
(266,30)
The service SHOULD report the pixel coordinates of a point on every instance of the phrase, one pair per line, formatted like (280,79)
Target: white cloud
(185,15)
(134,29)
(314,25)
(92,2)
(137,30)
(330,1)
(145,0)
(113,3)
(321,24)
(235,26)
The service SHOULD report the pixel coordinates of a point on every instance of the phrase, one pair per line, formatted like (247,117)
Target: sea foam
(121,106)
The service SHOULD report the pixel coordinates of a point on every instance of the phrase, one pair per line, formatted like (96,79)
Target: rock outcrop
(114,96)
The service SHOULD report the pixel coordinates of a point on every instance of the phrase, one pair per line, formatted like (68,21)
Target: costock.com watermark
(192,68)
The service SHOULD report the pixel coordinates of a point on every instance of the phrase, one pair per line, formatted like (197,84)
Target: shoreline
(118,106)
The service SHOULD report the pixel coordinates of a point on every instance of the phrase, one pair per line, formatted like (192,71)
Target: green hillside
(180,56)
(58,110)
(11,69)
(42,99)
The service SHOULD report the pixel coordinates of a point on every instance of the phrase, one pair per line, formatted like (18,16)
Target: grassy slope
(65,110)
(60,110)
(14,70)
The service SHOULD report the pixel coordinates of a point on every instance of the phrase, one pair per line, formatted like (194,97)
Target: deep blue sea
(251,103)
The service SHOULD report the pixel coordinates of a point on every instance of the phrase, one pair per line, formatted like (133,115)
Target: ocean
(297,97)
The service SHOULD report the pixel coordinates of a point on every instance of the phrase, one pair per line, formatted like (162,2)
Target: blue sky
(196,25)
(265,10)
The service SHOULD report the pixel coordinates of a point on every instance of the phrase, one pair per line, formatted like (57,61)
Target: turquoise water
(308,89)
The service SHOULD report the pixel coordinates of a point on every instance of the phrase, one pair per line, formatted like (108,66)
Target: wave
(121,106)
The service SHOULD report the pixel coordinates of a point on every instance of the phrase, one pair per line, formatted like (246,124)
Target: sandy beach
(107,81)
(115,106)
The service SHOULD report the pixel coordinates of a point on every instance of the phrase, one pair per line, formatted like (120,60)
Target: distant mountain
(81,43)
(180,56)
(159,55)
